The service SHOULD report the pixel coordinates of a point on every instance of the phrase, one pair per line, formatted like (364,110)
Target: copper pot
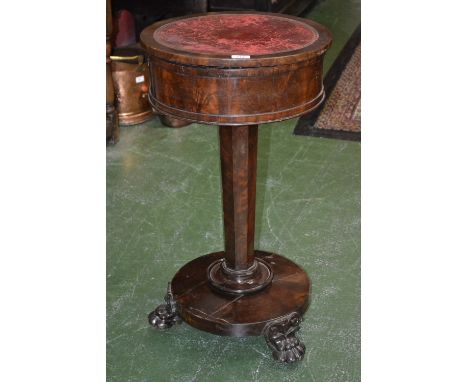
(131,82)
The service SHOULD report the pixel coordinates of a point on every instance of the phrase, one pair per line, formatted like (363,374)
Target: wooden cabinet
(293,7)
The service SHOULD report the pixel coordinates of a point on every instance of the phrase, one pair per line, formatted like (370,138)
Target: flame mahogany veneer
(217,89)
(237,70)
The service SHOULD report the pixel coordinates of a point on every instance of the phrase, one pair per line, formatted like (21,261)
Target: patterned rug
(340,115)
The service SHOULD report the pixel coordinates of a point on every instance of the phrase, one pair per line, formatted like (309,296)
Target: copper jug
(131,82)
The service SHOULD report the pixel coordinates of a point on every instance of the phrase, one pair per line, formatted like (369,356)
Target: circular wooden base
(208,309)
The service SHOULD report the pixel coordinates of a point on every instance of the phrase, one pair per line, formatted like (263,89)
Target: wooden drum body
(228,86)
(237,70)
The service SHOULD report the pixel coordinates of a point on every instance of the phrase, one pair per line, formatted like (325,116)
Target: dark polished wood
(147,12)
(239,291)
(238,150)
(243,315)
(239,272)
(218,89)
(169,121)
(237,96)
(112,122)
(290,7)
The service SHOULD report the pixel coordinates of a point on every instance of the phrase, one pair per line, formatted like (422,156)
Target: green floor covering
(164,209)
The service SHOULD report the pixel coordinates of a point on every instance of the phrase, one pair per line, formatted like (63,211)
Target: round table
(237,70)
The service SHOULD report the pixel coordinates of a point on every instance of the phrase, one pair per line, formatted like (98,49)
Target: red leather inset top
(240,34)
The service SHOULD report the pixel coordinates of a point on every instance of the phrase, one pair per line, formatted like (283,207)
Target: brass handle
(128,58)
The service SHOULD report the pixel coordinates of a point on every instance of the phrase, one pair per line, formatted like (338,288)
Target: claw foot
(281,338)
(165,315)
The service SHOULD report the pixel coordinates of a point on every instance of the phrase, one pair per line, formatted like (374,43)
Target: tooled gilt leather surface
(236,34)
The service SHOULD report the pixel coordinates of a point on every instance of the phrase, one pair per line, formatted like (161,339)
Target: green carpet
(164,209)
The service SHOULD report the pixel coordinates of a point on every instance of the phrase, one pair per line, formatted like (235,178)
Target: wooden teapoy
(237,70)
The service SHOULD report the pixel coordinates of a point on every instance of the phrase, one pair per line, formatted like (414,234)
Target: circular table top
(236,39)
(236,34)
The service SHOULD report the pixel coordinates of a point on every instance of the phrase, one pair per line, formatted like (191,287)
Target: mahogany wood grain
(244,315)
(238,169)
(219,89)
(112,122)
(239,291)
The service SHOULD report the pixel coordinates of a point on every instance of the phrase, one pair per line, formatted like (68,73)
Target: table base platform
(274,312)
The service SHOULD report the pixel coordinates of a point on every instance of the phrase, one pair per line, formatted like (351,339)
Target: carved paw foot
(281,338)
(165,315)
